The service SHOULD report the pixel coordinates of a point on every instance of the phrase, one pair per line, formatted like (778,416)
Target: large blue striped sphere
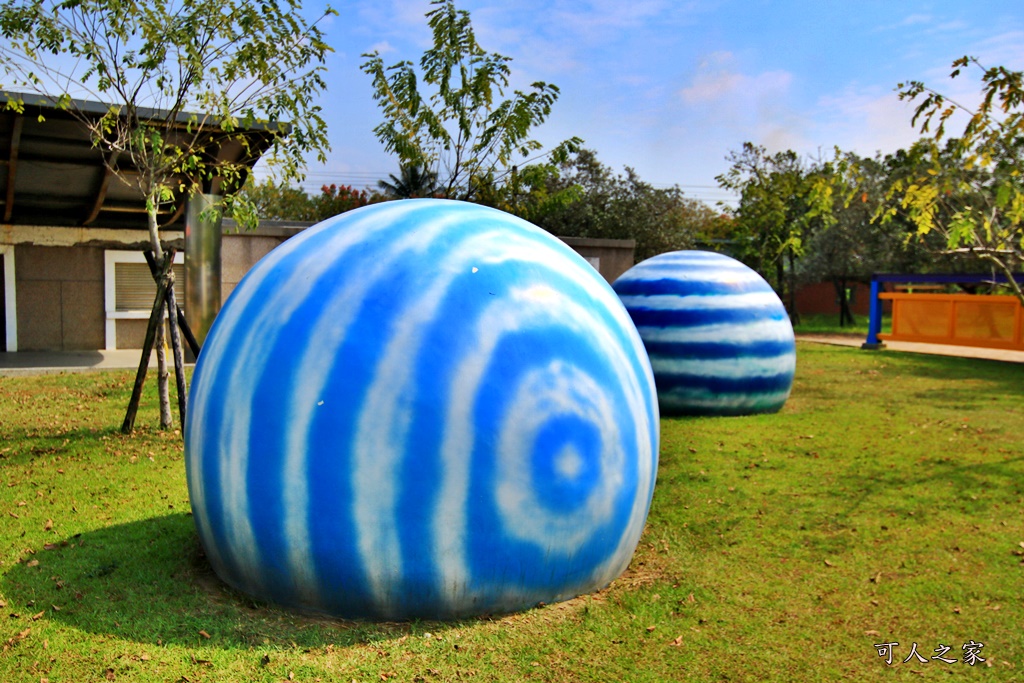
(421,408)
(718,336)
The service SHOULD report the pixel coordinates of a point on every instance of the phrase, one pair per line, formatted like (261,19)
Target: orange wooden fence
(960,319)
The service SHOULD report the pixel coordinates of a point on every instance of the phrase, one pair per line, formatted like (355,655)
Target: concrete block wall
(59,298)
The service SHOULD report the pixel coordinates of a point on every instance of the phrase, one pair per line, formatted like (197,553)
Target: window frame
(112,257)
(10,297)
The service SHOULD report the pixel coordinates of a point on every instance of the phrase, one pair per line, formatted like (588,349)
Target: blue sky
(670,87)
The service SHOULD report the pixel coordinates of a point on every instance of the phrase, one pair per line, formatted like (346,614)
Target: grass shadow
(149,582)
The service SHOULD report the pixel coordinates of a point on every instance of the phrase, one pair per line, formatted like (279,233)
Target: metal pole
(202,263)
(874,319)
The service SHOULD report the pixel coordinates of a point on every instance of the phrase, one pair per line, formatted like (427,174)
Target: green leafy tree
(847,244)
(623,206)
(969,190)
(463,130)
(924,251)
(412,181)
(279,202)
(533,193)
(777,209)
(182,79)
(274,201)
(335,199)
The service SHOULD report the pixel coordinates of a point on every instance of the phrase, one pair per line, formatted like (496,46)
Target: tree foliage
(777,209)
(462,130)
(586,198)
(279,202)
(412,182)
(335,199)
(968,188)
(845,244)
(181,79)
(533,192)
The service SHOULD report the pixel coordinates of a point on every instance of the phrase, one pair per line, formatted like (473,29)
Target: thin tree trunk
(154,329)
(794,314)
(155,320)
(161,355)
(163,387)
(1007,270)
(845,315)
(178,327)
(780,279)
(179,360)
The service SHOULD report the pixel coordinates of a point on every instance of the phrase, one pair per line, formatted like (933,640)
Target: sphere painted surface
(421,408)
(719,339)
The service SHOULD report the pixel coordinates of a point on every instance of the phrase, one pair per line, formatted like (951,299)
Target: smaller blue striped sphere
(719,339)
(421,409)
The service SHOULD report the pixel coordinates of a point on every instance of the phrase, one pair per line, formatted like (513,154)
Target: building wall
(59,298)
(820,298)
(614,257)
(239,253)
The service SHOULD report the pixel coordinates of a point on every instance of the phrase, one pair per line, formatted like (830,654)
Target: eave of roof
(51,173)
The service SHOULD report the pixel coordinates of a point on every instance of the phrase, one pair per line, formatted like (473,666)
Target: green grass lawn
(883,504)
(820,323)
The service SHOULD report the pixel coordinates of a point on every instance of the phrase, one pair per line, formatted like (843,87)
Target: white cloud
(915,19)
(754,107)
(1003,49)
(909,21)
(383,47)
(717,80)
(865,120)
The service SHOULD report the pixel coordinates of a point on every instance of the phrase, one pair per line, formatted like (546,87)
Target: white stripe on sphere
(770,329)
(700,302)
(699,398)
(725,368)
(687,271)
